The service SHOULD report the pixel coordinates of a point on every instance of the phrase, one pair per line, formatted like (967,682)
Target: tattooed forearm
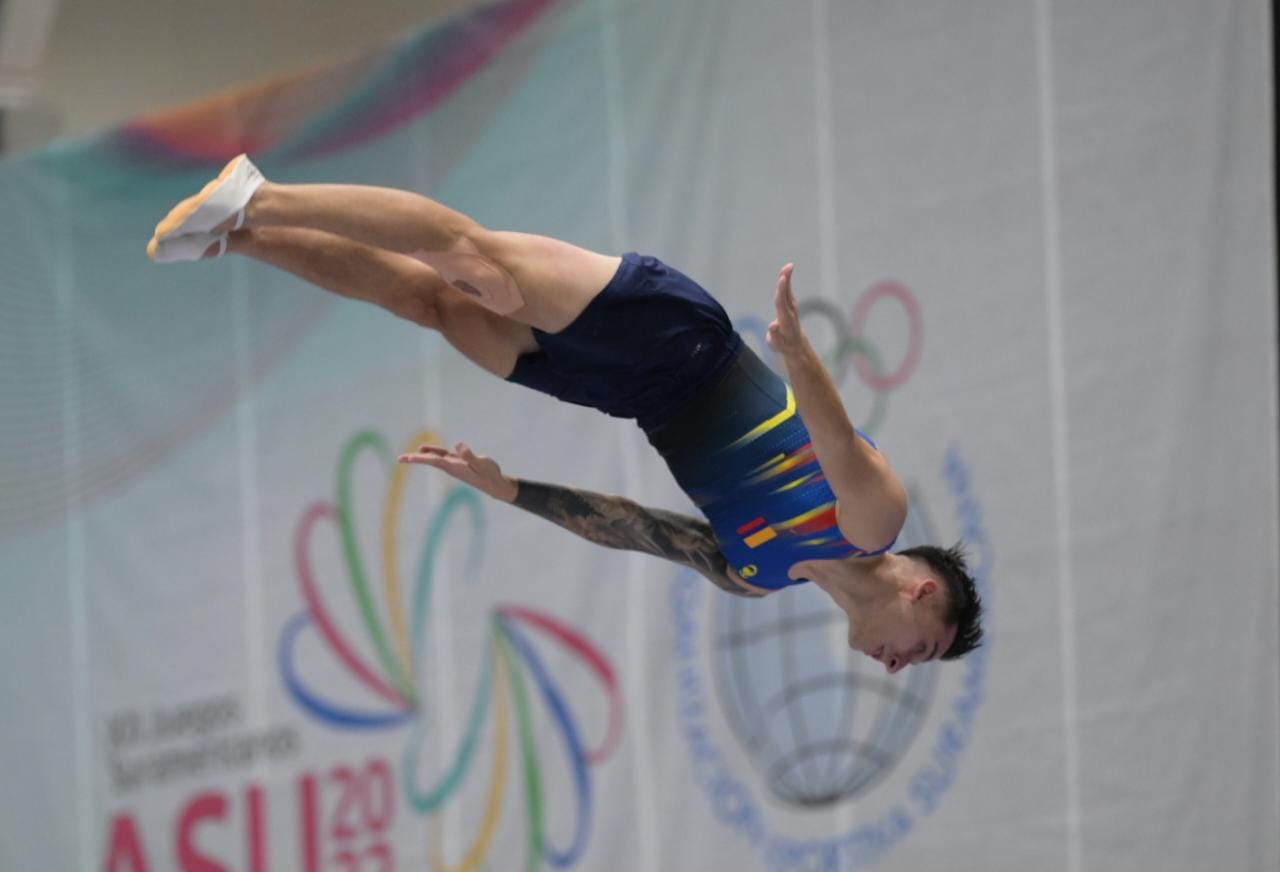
(617,522)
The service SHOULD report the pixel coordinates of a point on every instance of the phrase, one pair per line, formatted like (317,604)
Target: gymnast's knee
(471,237)
(417,299)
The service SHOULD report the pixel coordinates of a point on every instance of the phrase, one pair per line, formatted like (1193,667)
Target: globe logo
(771,704)
(819,722)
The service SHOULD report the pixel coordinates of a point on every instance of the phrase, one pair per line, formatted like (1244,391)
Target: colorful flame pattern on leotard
(767,498)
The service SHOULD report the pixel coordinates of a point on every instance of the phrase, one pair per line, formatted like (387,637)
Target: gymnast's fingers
(785,291)
(424,459)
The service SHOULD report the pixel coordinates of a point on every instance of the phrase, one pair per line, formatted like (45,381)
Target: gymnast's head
(931,610)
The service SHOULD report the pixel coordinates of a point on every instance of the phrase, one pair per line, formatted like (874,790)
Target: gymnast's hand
(784,334)
(482,473)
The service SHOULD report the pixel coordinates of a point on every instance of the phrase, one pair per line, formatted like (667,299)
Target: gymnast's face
(905,629)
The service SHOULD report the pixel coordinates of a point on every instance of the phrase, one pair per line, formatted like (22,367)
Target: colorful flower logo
(512,681)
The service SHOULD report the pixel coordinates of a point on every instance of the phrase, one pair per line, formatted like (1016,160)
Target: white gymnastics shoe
(189,246)
(224,197)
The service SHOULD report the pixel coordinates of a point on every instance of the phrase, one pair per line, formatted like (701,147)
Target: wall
(110,60)
(1036,244)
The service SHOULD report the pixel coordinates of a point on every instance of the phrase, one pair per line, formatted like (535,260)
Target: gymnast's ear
(924,588)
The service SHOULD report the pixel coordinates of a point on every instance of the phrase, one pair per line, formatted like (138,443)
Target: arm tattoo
(617,522)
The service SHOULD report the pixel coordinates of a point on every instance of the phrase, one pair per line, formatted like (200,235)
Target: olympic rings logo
(512,681)
(850,346)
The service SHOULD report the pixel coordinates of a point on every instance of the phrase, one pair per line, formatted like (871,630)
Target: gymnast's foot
(191,246)
(218,207)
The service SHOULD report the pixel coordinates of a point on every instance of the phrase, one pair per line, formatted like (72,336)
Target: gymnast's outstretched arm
(871,503)
(612,521)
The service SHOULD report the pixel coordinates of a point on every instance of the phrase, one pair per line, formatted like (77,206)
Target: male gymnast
(791,491)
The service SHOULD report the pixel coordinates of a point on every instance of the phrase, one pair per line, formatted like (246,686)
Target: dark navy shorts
(642,346)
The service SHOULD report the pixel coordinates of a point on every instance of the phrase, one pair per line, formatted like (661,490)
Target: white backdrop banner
(1035,245)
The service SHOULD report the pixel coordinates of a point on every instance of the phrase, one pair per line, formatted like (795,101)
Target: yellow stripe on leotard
(799,481)
(758,431)
(772,461)
(807,516)
(800,459)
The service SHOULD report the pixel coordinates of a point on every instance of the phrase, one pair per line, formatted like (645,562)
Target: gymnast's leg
(541,281)
(545,280)
(399,284)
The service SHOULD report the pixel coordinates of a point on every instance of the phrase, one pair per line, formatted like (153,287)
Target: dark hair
(963,606)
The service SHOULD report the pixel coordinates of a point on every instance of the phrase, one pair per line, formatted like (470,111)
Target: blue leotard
(740,451)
